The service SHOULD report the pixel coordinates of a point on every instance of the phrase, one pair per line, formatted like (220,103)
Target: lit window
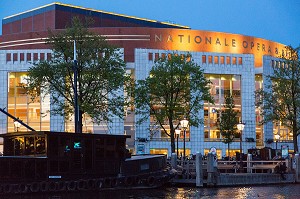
(240,61)
(209,59)
(222,59)
(216,60)
(204,59)
(234,60)
(150,56)
(228,62)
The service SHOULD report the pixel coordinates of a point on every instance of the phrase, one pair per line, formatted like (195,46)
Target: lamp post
(240,127)
(17,125)
(177,132)
(184,123)
(277,137)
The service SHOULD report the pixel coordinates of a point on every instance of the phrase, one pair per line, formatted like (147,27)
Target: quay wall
(234,179)
(211,173)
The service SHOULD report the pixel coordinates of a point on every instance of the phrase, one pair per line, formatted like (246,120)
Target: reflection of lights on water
(181,193)
(244,192)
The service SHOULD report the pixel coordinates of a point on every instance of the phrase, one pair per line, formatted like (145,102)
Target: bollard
(199,170)
(210,169)
(174,160)
(297,161)
(249,163)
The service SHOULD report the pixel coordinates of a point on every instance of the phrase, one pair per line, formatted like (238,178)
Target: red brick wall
(40,22)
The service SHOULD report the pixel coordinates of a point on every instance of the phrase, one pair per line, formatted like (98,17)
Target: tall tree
(101,74)
(280,98)
(175,88)
(227,121)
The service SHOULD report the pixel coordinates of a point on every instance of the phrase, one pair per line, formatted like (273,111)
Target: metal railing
(186,169)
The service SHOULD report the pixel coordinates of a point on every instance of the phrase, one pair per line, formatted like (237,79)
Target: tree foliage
(175,88)
(227,122)
(101,74)
(280,99)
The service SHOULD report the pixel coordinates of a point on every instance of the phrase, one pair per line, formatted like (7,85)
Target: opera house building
(234,63)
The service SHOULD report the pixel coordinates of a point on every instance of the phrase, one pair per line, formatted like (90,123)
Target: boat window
(19,144)
(40,145)
(29,146)
(9,146)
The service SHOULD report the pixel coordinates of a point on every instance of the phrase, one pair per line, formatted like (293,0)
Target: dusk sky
(275,20)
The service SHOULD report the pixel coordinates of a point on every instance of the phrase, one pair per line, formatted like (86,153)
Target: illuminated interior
(222,85)
(33,112)
(165,151)
(258,114)
(219,153)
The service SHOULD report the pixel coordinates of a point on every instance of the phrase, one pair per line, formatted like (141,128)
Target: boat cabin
(42,154)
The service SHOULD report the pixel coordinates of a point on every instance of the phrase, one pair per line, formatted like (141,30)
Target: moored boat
(40,161)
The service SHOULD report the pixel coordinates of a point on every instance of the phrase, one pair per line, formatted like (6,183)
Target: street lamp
(17,124)
(240,127)
(184,124)
(177,132)
(277,137)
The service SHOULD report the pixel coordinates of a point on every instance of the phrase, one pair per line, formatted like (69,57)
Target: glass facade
(258,116)
(33,112)
(278,128)
(222,85)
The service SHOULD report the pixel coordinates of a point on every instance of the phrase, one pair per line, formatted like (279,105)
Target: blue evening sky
(276,20)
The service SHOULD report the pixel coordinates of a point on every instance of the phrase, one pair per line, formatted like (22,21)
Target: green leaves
(101,73)
(279,100)
(228,120)
(176,87)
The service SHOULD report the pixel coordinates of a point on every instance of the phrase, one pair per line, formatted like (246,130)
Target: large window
(222,85)
(258,115)
(33,112)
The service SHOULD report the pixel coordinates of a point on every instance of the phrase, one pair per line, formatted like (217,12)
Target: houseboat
(39,161)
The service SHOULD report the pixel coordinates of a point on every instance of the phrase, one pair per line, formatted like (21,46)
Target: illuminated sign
(204,41)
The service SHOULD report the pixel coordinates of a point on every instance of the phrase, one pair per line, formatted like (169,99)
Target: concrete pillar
(174,160)
(249,163)
(297,161)
(210,169)
(199,170)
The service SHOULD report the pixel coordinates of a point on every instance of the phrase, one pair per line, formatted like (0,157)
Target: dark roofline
(90,12)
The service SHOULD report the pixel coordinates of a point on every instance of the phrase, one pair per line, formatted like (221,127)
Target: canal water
(248,192)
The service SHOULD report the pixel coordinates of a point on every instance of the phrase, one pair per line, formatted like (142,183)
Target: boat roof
(146,156)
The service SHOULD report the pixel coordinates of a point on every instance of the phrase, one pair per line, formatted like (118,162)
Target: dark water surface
(270,191)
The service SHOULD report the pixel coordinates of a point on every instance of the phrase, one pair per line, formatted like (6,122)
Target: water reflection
(250,192)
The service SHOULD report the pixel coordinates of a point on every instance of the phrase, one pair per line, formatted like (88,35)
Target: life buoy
(114,182)
(151,181)
(34,187)
(99,184)
(61,186)
(71,186)
(16,189)
(81,184)
(23,188)
(52,186)
(128,181)
(137,180)
(90,184)
(107,182)
(8,188)
(44,186)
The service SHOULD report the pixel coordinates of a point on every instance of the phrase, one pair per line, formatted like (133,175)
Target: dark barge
(58,161)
